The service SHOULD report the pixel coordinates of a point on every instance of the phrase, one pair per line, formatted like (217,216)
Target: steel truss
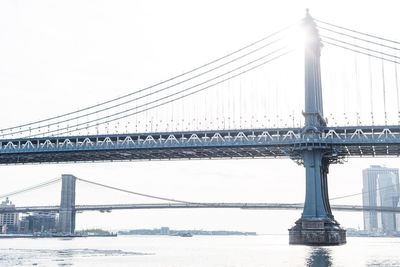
(339,142)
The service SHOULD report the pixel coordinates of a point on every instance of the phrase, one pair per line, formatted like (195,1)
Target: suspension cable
(44,184)
(358,46)
(360,39)
(159,83)
(166,97)
(151,92)
(354,31)
(366,192)
(370,90)
(397,95)
(137,193)
(384,91)
(162,103)
(360,52)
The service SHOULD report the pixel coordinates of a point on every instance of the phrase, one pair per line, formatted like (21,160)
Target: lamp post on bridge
(317,225)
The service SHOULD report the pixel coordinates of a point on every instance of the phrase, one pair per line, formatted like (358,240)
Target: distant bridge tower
(317,225)
(66,223)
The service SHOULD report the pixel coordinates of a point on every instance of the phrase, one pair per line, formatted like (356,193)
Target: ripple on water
(13,257)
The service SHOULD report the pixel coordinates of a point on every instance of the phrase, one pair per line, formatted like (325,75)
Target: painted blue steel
(315,159)
(256,143)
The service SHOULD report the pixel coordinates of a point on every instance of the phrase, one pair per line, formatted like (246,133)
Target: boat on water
(185,234)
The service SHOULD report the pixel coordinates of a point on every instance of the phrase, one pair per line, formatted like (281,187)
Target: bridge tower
(317,225)
(66,223)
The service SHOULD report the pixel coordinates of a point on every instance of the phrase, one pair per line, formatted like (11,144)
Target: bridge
(314,143)
(137,206)
(358,141)
(67,209)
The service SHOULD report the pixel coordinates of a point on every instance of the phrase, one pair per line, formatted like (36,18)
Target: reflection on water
(319,256)
(197,251)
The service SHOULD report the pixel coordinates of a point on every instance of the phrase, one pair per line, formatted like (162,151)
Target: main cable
(138,193)
(358,38)
(165,97)
(148,94)
(358,46)
(366,192)
(360,52)
(46,183)
(159,83)
(354,31)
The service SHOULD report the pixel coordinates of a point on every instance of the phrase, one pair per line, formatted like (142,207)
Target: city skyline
(381,188)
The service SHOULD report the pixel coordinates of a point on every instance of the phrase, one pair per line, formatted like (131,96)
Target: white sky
(58,56)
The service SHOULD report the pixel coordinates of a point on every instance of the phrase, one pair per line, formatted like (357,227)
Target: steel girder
(352,141)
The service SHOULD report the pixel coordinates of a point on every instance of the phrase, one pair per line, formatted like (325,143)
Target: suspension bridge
(68,209)
(162,121)
(203,205)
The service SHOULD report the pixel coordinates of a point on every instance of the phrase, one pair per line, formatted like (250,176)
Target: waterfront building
(39,222)
(164,230)
(8,221)
(381,188)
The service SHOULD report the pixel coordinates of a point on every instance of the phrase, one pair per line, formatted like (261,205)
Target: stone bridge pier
(66,219)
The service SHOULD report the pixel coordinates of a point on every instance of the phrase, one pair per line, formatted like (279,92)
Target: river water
(174,251)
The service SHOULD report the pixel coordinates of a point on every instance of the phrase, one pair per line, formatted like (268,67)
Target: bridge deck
(366,141)
(270,206)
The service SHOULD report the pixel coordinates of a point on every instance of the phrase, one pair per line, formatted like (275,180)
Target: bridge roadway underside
(143,154)
(355,141)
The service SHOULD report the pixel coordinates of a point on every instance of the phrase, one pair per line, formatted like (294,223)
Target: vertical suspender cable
(371,92)
(205,112)
(221,110)
(357,88)
(397,90)
(182,116)
(240,105)
(345,97)
(384,91)
(172,116)
(266,103)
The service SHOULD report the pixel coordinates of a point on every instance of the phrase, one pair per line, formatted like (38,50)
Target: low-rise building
(8,221)
(39,222)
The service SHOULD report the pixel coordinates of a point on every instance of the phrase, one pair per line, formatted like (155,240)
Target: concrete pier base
(317,232)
